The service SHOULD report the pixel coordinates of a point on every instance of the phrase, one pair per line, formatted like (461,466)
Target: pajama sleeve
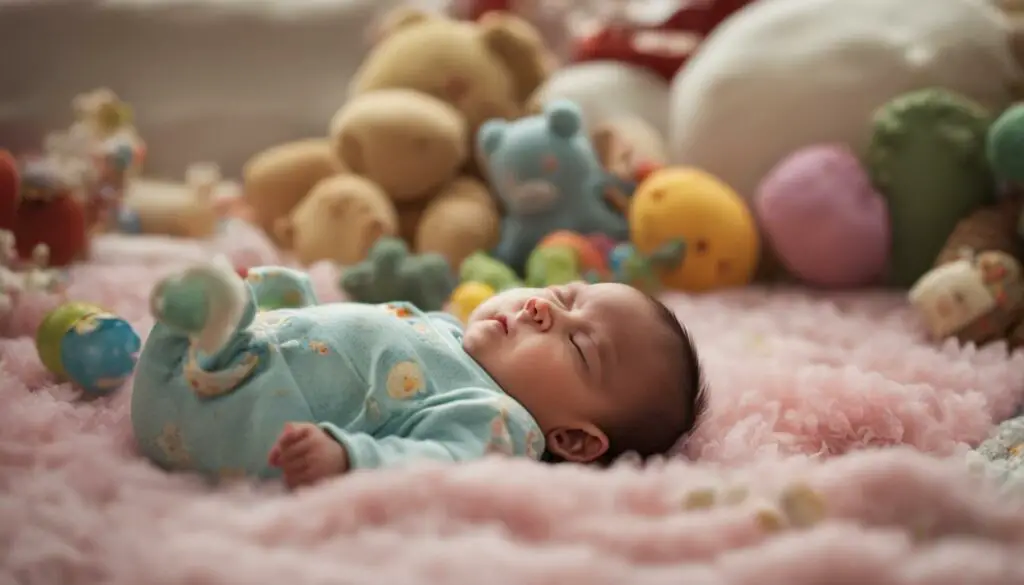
(464,428)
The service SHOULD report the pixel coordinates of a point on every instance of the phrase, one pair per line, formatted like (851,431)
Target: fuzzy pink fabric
(792,376)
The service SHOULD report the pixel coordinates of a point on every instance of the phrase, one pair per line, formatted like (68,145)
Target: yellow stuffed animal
(413,146)
(339,220)
(275,180)
(485,69)
(710,220)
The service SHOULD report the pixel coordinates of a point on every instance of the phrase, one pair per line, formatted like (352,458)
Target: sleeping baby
(253,377)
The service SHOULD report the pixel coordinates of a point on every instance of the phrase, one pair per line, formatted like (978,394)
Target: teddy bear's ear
(520,47)
(564,118)
(488,138)
(398,19)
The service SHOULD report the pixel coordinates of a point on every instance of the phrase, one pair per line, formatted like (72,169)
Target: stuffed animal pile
(528,143)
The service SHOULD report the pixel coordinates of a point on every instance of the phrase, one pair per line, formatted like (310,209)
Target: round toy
(467,297)
(92,348)
(689,212)
(1005,145)
(589,255)
(824,219)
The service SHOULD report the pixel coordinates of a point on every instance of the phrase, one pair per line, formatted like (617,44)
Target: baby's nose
(538,312)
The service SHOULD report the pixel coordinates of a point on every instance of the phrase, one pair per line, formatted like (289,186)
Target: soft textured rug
(795,379)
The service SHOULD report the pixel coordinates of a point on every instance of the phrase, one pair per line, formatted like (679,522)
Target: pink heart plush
(824,219)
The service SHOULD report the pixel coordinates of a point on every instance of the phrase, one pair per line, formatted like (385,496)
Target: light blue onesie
(389,382)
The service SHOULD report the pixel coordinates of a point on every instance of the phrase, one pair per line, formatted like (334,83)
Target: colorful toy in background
(1004,149)
(98,155)
(658,35)
(480,278)
(195,209)
(975,291)
(927,158)
(824,219)
(544,170)
(564,257)
(37,205)
(560,258)
(88,346)
(391,273)
(688,213)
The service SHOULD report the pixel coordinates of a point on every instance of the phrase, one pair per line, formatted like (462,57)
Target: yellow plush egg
(713,223)
(467,297)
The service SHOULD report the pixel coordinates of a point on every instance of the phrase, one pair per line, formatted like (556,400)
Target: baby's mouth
(503,321)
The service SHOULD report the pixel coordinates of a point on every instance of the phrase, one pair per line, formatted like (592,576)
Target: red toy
(38,211)
(659,42)
(9,181)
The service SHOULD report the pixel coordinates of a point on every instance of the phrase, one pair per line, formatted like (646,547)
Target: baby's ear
(586,444)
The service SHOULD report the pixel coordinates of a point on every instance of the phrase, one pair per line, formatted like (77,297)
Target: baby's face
(576,356)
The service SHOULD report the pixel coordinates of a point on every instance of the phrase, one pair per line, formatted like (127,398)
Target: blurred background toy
(1004,149)
(608,92)
(975,290)
(658,35)
(196,208)
(824,219)
(88,346)
(546,174)
(927,159)
(391,273)
(480,277)
(339,220)
(41,209)
(708,222)
(563,257)
(865,53)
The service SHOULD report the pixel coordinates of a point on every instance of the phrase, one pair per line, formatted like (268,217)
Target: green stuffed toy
(390,273)
(927,158)
(482,268)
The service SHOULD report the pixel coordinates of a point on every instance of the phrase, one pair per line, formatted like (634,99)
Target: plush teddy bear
(339,220)
(276,179)
(413,146)
(544,170)
(485,69)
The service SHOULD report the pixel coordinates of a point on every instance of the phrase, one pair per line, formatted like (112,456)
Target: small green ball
(1005,145)
(54,327)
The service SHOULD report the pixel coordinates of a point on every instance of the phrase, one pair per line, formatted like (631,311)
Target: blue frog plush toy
(545,171)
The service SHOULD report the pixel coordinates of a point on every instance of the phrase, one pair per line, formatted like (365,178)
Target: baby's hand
(306,455)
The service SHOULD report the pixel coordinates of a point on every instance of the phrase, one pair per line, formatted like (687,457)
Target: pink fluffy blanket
(795,379)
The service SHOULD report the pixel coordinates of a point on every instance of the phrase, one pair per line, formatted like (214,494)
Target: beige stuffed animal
(414,146)
(275,180)
(339,220)
(486,69)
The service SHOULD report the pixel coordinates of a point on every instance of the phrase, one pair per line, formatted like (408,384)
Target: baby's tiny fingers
(274,457)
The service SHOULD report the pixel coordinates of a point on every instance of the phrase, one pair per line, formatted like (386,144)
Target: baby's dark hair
(665,425)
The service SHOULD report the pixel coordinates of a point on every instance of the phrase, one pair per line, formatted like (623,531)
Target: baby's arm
(456,430)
